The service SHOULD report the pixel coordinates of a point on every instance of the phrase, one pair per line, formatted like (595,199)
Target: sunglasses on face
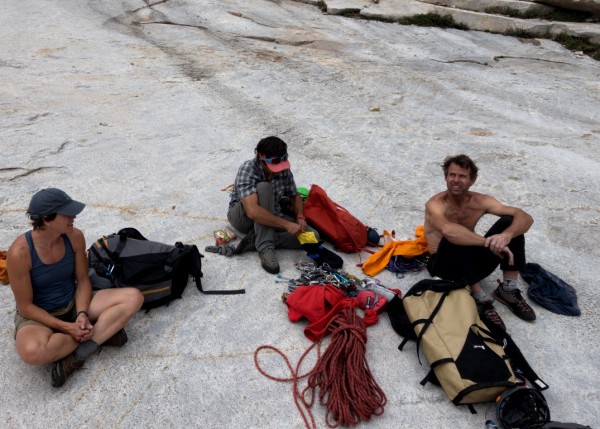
(276,159)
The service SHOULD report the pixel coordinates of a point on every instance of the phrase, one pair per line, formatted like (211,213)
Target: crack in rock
(60,148)
(463,61)
(26,171)
(199,27)
(7,64)
(38,116)
(279,41)
(241,15)
(261,38)
(149,5)
(503,57)
(155,3)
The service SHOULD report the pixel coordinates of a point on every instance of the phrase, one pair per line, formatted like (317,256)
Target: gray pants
(265,235)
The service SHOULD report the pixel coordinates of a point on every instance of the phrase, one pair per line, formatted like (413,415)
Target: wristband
(82,312)
(300,216)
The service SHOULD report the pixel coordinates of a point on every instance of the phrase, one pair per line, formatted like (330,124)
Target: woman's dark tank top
(53,284)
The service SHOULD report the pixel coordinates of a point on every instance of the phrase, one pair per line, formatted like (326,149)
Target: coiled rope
(342,375)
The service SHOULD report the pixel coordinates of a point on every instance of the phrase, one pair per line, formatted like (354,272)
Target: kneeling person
(58,319)
(262,186)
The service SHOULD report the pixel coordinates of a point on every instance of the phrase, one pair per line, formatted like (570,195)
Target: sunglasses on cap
(275,160)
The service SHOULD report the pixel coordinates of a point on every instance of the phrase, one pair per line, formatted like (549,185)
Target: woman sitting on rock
(58,319)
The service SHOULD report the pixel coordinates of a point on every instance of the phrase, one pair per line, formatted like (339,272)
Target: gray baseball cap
(52,200)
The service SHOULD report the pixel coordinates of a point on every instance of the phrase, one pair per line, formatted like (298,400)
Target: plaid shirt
(251,173)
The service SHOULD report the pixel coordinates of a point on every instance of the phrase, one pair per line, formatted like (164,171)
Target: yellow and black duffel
(472,362)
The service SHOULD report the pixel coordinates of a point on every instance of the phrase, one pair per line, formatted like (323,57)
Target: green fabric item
(303,192)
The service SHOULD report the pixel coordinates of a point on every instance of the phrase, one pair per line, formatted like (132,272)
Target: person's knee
(29,353)
(133,298)
(32,352)
(129,298)
(264,187)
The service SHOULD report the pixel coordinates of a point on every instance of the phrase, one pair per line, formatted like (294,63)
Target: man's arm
(521,223)
(83,292)
(298,205)
(264,217)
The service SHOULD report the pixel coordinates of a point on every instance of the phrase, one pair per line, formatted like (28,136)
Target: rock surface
(145,111)
(583,5)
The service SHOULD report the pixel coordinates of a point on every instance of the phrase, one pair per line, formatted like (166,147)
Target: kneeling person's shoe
(487,312)
(268,260)
(63,368)
(515,301)
(117,340)
(246,244)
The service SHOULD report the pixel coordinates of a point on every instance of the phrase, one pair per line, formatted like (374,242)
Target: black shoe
(63,368)
(487,313)
(117,340)
(246,244)
(515,301)
(268,260)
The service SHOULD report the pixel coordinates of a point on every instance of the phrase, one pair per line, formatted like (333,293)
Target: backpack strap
(132,233)
(99,256)
(427,322)
(403,343)
(114,256)
(431,377)
(400,321)
(195,270)
(428,378)
(518,361)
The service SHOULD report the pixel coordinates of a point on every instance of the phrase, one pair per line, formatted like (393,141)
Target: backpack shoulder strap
(427,322)
(515,355)
(195,270)
(113,255)
(132,233)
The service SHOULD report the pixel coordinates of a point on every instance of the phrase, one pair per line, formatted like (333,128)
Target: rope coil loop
(342,375)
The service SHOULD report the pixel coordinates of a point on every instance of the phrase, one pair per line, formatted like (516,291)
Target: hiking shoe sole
(519,307)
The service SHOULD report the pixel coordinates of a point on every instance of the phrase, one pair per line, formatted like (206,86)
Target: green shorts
(66,313)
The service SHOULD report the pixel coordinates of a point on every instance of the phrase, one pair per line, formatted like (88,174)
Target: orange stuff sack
(407,248)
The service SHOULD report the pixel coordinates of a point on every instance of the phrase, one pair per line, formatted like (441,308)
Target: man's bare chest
(465,216)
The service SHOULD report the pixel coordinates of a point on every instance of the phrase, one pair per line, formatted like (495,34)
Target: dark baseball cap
(52,200)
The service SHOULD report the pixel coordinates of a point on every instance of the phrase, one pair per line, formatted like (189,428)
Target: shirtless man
(459,253)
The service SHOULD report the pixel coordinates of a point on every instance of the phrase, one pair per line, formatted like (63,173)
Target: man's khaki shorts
(66,313)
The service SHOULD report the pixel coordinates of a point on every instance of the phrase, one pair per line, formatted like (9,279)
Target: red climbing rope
(345,384)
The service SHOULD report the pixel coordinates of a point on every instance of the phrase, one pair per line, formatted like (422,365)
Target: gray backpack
(160,271)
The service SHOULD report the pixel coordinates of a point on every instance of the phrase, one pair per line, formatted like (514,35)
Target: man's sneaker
(61,369)
(515,301)
(487,312)
(246,244)
(268,260)
(117,340)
